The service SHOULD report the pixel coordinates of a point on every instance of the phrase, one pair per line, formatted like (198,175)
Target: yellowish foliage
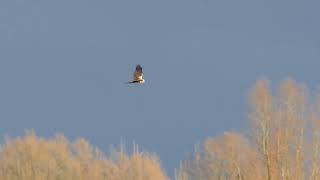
(282,144)
(34,158)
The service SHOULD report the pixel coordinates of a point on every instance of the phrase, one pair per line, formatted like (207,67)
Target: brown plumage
(138,75)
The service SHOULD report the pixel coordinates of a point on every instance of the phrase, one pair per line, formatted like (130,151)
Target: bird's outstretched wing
(138,74)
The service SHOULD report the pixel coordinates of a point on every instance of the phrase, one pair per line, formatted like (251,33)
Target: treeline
(282,142)
(34,158)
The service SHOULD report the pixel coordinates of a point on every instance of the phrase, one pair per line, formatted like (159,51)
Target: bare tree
(31,157)
(277,145)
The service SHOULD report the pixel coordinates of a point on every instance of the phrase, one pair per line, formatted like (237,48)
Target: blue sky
(63,65)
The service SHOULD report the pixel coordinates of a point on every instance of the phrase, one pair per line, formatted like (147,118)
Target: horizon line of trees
(282,142)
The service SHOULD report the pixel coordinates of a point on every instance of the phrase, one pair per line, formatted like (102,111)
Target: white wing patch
(138,75)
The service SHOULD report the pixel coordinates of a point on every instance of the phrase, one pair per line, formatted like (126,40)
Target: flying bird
(138,75)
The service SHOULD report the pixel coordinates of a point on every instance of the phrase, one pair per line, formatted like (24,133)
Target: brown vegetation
(33,158)
(282,144)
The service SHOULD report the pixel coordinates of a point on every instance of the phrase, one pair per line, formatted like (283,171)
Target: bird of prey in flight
(138,75)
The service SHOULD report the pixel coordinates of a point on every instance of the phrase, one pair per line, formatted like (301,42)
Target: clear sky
(63,65)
